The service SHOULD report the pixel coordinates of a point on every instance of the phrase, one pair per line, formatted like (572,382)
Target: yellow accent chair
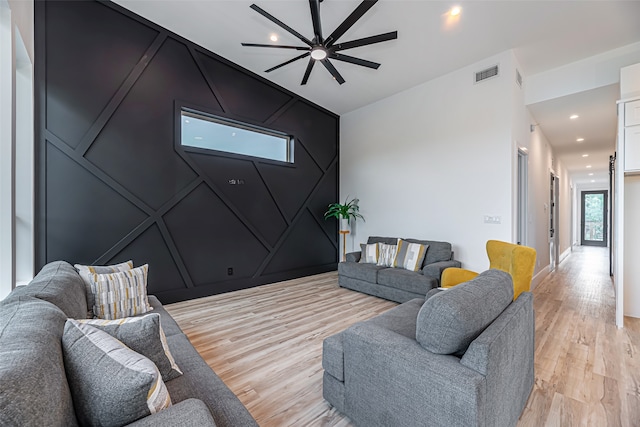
(517,260)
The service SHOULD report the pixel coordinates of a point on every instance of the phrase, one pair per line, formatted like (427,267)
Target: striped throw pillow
(386,254)
(111,385)
(87,270)
(410,255)
(143,335)
(122,294)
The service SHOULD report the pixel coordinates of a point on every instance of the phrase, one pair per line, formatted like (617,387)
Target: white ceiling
(543,35)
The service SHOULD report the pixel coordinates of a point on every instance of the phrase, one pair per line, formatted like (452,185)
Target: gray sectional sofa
(34,386)
(397,284)
(462,357)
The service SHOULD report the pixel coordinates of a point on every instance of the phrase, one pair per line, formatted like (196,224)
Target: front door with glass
(594,218)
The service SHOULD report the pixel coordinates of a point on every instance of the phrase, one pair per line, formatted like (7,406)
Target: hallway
(587,371)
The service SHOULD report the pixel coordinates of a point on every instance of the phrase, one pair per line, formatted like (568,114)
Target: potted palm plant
(344,212)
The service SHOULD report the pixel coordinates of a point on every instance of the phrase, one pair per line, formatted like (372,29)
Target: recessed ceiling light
(579,139)
(273,38)
(186,120)
(588,166)
(593,180)
(455,11)
(590,173)
(574,116)
(585,155)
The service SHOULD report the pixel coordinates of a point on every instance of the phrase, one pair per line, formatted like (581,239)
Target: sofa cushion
(400,319)
(437,251)
(450,320)
(58,283)
(406,280)
(410,256)
(333,355)
(190,412)
(111,384)
(120,294)
(86,271)
(386,240)
(143,335)
(356,270)
(33,384)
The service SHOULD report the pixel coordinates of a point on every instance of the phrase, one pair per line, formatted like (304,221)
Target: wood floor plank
(266,345)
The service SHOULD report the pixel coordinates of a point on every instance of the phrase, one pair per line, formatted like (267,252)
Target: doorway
(554,186)
(593,218)
(523,196)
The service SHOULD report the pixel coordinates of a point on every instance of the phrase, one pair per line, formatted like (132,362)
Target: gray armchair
(462,358)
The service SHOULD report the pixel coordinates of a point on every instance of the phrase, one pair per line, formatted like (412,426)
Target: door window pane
(594,217)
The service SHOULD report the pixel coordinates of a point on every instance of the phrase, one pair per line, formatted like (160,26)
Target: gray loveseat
(462,357)
(397,284)
(34,390)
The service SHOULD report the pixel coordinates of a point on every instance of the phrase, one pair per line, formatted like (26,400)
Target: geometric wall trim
(114,183)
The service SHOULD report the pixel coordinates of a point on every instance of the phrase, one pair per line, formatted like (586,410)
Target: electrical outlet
(230,271)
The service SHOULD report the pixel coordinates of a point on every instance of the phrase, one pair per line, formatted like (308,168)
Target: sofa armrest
(353,256)
(504,352)
(416,386)
(435,269)
(189,412)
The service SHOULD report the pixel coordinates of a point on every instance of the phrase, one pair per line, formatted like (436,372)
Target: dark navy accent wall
(113,184)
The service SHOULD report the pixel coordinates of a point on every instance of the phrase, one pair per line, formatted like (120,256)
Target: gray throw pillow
(111,385)
(450,320)
(143,335)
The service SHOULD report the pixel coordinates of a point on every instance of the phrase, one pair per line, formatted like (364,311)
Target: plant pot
(344,224)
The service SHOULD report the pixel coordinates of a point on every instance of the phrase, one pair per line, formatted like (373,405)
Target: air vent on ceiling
(518,78)
(486,74)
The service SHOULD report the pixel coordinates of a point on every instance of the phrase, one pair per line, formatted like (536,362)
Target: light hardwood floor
(266,345)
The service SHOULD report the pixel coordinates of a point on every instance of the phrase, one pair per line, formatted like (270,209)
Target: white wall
(432,161)
(586,74)
(564,219)
(631,248)
(540,165)
(7,264)
(24,163)
(16,143)
(629,86)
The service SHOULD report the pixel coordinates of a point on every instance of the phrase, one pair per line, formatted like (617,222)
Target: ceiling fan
(322,49)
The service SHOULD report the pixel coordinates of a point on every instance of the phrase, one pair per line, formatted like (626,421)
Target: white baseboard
(538,278)
(566,253)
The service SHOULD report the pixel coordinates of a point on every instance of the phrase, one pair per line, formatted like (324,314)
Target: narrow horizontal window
(216,133)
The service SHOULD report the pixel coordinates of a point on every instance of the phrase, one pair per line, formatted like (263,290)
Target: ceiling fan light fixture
(319,53)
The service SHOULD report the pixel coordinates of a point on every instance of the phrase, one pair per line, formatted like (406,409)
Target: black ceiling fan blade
(348,23)
(315,19)
(307,72)
(329,66)
(280,23)
(366,41)
(277,46)
(287,62)
(352,60)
